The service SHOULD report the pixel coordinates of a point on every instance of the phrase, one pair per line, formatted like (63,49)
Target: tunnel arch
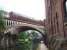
(25,28)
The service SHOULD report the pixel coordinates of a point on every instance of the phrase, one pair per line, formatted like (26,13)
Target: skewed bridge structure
(22,23)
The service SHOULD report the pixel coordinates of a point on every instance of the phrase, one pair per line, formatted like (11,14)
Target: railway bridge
(16,24)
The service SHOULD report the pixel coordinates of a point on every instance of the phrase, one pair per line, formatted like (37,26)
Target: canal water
(42,46)
(24,41)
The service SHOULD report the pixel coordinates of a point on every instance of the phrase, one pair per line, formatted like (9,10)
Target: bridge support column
(54,12)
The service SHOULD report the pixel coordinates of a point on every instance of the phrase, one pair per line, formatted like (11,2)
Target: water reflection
(29,40)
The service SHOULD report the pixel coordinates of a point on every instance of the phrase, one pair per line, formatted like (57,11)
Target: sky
(34,9)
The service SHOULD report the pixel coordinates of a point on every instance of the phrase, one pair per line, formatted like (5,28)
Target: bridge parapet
(10,24)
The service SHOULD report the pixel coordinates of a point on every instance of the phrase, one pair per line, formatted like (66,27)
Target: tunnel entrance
(30,40)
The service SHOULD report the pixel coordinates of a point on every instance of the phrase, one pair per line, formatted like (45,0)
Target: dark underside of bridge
(24,28)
